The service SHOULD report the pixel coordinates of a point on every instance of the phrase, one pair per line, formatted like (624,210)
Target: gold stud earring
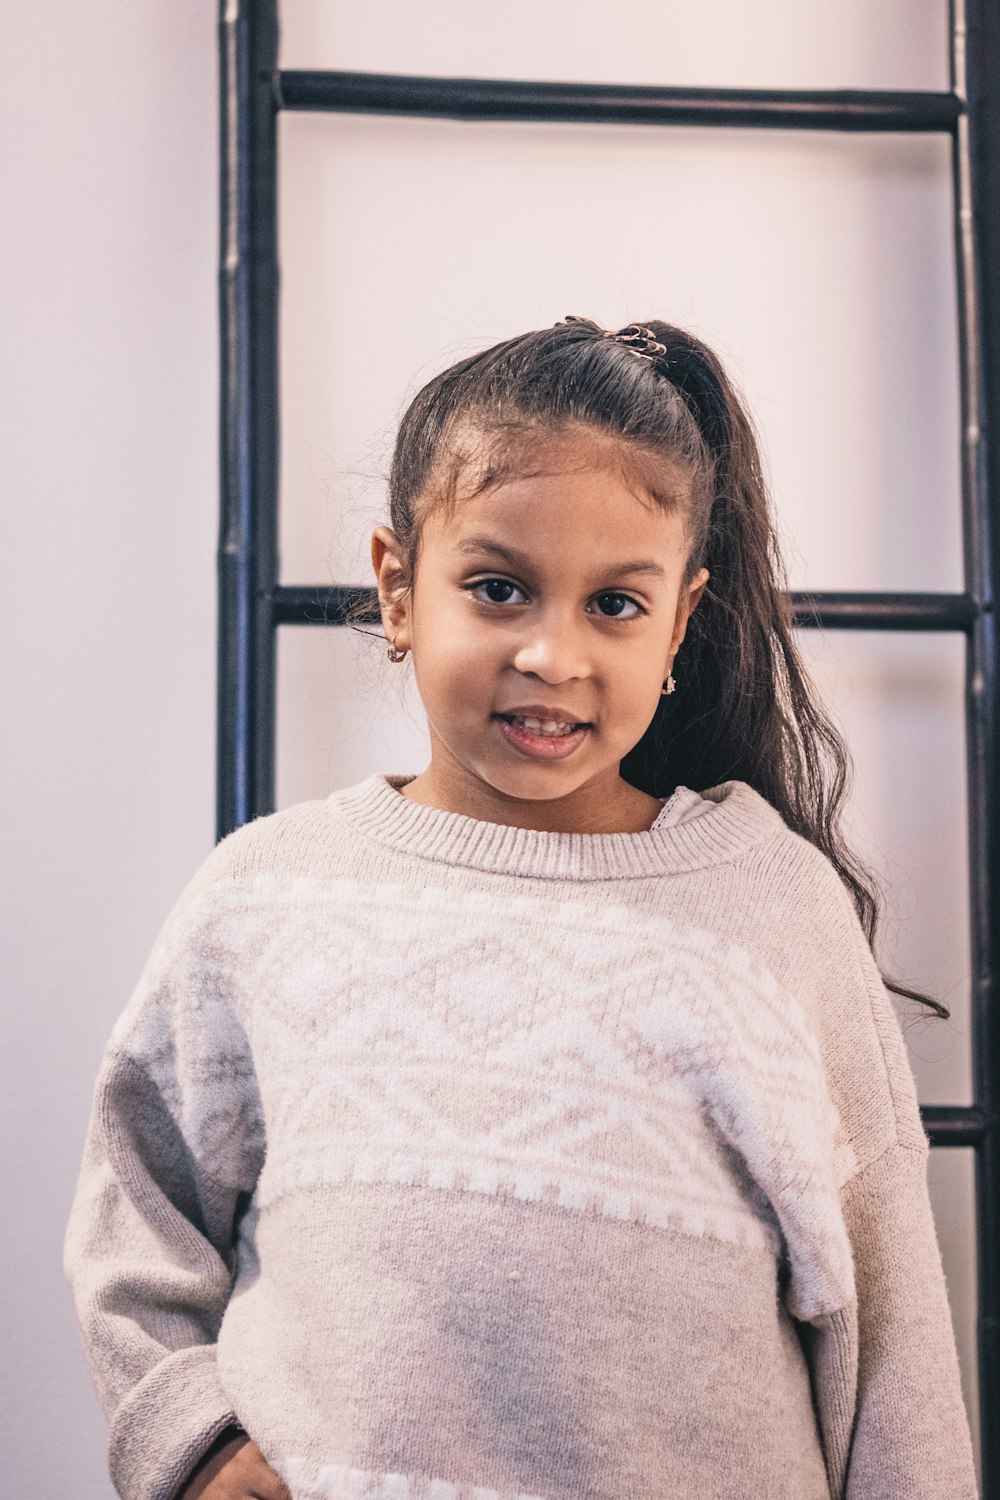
(395,655)
(669,686)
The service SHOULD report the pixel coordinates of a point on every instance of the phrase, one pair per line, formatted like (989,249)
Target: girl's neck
(631,811)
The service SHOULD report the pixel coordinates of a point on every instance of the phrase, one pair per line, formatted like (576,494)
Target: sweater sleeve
(173,1147)
(908,1435)
(911,1436)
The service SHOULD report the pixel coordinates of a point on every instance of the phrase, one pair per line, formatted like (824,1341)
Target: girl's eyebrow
(482,544)
(473,544)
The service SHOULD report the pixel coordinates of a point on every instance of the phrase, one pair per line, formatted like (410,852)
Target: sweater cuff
(166,1423)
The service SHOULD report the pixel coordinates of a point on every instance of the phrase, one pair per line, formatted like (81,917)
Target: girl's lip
(541,746)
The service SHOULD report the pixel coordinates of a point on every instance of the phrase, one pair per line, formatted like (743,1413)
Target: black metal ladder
(252,602)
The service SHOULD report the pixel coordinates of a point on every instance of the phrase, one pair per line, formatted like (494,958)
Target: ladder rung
(308,604)
(954,1124)
(623,104)
(885,611)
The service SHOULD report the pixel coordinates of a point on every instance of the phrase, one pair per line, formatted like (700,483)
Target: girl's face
(554,596)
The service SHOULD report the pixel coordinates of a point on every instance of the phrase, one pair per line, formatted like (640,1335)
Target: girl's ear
(697,589)
(393,586)
(686,605)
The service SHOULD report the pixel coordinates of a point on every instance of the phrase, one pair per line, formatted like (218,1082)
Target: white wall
(821,268)
(109,531)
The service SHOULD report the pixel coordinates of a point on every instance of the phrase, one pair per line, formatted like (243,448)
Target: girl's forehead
(596,488)
(555,492)
(593,514)
(567,492)
(530,447)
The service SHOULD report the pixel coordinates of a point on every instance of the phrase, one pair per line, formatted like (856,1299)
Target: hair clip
(638,340)
(633,337)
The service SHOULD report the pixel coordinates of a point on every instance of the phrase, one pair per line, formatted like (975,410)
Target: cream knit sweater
(458,1161)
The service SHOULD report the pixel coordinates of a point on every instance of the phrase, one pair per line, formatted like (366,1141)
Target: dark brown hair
(748,709)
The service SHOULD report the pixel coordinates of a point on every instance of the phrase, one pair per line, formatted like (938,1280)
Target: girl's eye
(501,591)
(616,614)
(493,583)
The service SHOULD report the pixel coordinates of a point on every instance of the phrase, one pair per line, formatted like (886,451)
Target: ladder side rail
(975,59)
(248,411)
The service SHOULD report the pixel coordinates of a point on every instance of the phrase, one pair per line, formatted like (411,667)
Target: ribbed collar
(740,819)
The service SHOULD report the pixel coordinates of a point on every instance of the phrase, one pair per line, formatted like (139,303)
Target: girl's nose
(553,650)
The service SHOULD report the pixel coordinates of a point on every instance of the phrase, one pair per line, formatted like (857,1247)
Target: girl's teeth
(544,726)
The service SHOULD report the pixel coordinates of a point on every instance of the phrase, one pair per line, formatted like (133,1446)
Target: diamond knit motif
(665,1079)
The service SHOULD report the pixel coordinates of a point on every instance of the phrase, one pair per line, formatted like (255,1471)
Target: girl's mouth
(530,738)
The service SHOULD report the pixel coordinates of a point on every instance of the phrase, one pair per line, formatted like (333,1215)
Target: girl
(537,1127)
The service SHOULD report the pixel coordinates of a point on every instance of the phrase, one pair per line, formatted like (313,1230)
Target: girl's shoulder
(257,857)
(787,868)
(219,921)
(795,940)
(785,903)
(267,842)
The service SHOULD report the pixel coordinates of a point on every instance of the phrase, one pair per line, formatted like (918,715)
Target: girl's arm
(174,1146)
(908,1436)
(911,1434)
